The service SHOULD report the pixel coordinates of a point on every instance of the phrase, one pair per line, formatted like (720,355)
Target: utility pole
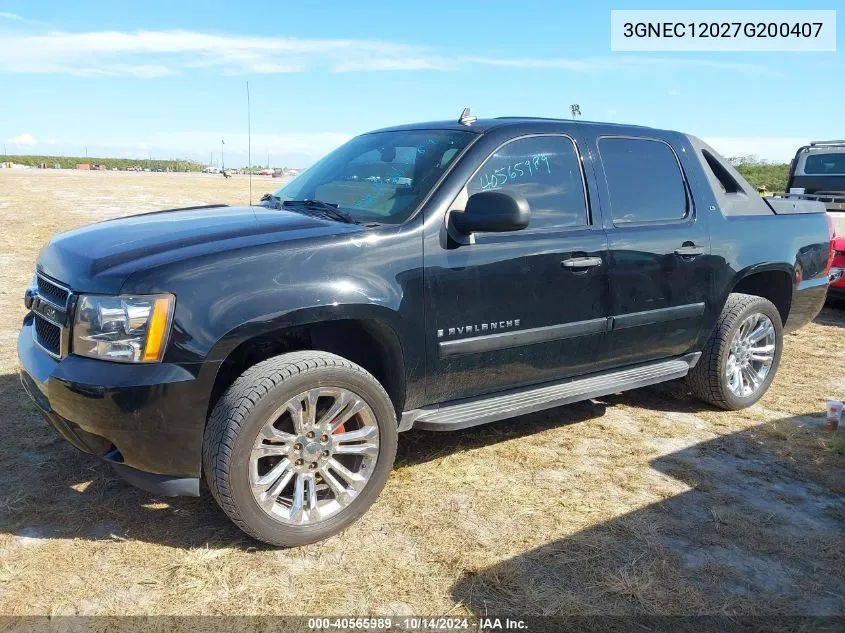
(222,162)
(268,160)
(210,158)
(249,141)
(86,151)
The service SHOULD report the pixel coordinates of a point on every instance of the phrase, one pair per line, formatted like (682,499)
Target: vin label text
(723,30)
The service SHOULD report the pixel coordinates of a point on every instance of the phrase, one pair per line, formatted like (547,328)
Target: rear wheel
(741,357)
(299,447)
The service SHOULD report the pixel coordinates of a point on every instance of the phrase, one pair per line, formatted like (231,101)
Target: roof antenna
(249,142)
(467,118)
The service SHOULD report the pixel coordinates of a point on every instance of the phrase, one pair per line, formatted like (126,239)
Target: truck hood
(99,257)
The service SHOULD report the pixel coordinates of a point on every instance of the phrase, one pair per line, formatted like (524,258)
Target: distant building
(83,166)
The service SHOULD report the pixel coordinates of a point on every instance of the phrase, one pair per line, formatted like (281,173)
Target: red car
(837,271)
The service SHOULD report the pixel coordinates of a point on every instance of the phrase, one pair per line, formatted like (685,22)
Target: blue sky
(167,79)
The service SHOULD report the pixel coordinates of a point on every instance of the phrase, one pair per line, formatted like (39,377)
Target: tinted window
(644,179)
(545,170)
(825,165)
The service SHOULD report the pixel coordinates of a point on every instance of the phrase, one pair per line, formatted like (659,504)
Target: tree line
(762,173)
(70,162)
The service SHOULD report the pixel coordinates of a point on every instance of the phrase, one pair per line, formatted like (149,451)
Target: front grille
(52,292)
(51,305)
(48,335)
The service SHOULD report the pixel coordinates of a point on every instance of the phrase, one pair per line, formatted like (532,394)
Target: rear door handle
(689,250)
(581,262)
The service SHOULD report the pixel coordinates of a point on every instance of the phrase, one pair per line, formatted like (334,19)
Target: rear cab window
(825,164)
(644,180)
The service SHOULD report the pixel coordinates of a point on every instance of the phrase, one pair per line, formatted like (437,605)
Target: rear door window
(644,180)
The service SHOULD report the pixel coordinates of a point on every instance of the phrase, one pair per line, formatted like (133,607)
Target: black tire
(245,407)
(707,380)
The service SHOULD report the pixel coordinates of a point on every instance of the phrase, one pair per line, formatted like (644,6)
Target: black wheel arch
(770,281)
(369,342)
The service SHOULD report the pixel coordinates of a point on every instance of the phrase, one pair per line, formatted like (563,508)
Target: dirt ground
(639,503)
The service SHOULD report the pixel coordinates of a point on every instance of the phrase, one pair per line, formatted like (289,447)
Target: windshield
(825,165)
(380,177)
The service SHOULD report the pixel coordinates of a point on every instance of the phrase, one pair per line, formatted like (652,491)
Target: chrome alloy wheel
(314,455)
(751,355)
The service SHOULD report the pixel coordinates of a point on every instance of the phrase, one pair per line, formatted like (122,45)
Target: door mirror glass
(492,212)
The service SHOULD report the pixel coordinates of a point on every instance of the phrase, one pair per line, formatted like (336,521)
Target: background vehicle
(438,276)
(818,173)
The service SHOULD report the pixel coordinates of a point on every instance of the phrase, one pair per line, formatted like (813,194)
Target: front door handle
(581,262)
(689,250)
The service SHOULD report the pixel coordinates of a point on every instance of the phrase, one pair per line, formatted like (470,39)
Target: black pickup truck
(435,276)
(817,173)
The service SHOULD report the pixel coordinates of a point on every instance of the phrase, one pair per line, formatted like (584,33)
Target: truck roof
(480,126)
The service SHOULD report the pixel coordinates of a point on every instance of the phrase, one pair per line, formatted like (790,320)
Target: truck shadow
(52,491)
(757,532)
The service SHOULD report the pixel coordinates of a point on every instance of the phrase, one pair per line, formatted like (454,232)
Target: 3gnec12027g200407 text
(722,29)
(714,30)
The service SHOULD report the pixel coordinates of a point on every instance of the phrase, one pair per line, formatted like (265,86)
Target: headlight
(129,329)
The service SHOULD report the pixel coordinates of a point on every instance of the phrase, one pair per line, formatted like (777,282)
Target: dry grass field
(639,503)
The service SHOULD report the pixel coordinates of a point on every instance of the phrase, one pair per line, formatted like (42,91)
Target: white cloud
(149,54)
(156,53)
(628,63)
(10,16)
(774,148)
(22,139)
(14,17)
(673,93)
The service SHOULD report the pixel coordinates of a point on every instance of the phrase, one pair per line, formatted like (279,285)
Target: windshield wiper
(320,209)
(312,207)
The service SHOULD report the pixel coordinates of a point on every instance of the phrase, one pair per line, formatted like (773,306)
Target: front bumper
(146,420)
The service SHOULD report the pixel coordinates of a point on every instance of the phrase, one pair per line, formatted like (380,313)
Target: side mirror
(492,212)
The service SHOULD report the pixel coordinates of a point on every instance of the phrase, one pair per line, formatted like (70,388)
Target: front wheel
(741,357)
(299,447)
